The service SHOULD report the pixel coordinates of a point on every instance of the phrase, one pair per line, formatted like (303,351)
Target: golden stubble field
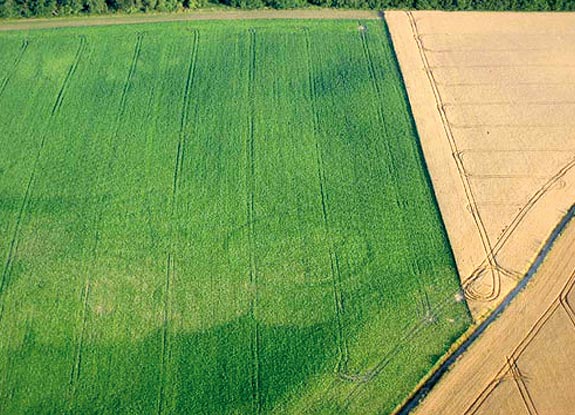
(493,97)
(524,362)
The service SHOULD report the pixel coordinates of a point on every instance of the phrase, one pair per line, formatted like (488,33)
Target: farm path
(218,14)
(516,365)
(492,96)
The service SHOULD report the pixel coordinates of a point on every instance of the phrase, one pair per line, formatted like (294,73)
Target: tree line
(32,8)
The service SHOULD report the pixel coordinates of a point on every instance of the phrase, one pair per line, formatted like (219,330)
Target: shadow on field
(209,372)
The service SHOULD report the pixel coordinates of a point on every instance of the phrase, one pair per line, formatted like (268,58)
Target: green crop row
(215,218)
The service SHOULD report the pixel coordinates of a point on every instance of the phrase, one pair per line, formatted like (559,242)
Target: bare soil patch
(186,16)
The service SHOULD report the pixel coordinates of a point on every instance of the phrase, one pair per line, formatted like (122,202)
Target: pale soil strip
(187,16)
(475,369)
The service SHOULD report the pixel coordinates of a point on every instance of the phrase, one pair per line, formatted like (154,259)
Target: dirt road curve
(187,16)
(492,96)
(523,363)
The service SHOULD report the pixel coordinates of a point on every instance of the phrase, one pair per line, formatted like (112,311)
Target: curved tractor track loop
(492,266)
(489,267)
(471,283)
(426,386)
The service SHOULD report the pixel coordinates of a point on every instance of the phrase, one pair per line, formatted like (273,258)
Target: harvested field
(523,363)
(215,218)
(492,96)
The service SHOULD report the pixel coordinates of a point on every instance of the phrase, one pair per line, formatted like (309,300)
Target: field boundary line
(14,242)
(14,67)
(343,351)
(424,297)
(201,15)
(433,377)
(485,241)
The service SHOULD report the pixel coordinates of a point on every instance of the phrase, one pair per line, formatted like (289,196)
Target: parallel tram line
(6,80)
(166,316)
(13,247)
(76,368)
(250,213)
(517,220)
(531,334)
(184,119)
(566,304)
(411,330)
(426,306)
(170,261)
(126,87)
(343,351)
(492,265)
(519,380)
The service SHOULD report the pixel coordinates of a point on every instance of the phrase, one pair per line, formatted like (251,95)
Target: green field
(215,218)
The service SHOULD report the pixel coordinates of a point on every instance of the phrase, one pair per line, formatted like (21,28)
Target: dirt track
(492,96)
(186,16)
